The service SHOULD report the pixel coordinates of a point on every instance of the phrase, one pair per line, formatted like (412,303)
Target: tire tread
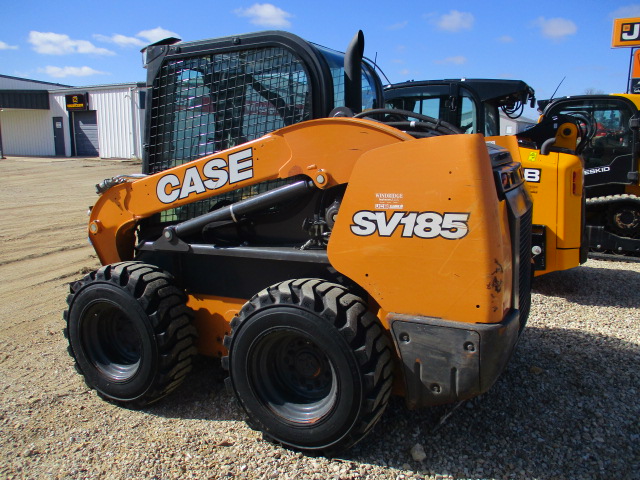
(361,329)
(171,319)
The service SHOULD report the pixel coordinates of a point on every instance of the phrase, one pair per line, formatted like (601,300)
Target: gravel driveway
(566,408)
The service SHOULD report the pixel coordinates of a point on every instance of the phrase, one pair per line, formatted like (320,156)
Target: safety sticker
(389,201)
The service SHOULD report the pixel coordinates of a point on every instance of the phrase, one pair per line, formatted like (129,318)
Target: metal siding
(517,125)
(120,130)
(508,126)
(140,118)
(27,132)
(115,128)
(120,120)
(114,116)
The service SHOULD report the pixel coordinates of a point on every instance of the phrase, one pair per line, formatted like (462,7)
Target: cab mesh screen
(204,104)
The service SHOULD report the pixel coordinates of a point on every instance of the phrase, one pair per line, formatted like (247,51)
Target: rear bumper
(445,361)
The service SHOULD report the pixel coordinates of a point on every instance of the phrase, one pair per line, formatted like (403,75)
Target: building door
(85,133)
(58,136)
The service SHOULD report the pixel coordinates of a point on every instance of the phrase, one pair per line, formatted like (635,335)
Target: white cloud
(120,40)
(6,46)
(141,39)
(555,28)
(49,43)
(156,34)
(629,11)
(455,21)
(265,14)
(398,26)
(456,60)
(505,39)
(62,72)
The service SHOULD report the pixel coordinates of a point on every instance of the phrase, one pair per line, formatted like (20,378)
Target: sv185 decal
(216,172)
(452,226)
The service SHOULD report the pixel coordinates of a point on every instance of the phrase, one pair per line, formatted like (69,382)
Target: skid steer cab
(549,154)
(327,258)
(612,175)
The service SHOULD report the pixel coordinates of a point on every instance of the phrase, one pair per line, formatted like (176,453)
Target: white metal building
(46,119)
(511,126)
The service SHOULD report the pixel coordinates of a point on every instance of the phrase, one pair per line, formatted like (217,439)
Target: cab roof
(486,88)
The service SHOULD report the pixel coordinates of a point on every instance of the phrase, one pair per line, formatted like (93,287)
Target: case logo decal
(451,226)
(216,173)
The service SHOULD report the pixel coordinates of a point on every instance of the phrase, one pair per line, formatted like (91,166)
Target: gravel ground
(566,407)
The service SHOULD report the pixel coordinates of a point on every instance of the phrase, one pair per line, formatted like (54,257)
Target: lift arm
(325,150)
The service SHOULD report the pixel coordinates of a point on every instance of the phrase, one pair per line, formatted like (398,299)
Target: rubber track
(362,330)
(609,199)
(171,319)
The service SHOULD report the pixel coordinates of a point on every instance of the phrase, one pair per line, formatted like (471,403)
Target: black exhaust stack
(353,73)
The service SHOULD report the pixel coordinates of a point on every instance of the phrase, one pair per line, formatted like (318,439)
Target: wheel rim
(627,220)
(293,377)
(111,341)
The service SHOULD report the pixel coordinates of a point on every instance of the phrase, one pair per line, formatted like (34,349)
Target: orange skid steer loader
(326,260)
(549,153)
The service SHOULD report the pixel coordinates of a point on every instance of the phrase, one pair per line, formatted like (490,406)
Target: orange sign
(626,32)
(635,72)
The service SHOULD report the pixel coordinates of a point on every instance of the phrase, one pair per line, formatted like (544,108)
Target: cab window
(336,65)
(435,101)
(491,120)
(468,116)
(609,123)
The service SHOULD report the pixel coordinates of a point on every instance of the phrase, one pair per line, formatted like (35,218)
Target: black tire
(130,333)
(310,365)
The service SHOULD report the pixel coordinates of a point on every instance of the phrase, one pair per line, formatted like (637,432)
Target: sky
(563,45)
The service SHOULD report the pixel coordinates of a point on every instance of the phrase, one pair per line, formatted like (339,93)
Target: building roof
(100,87)
(39,82)
(59,87)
